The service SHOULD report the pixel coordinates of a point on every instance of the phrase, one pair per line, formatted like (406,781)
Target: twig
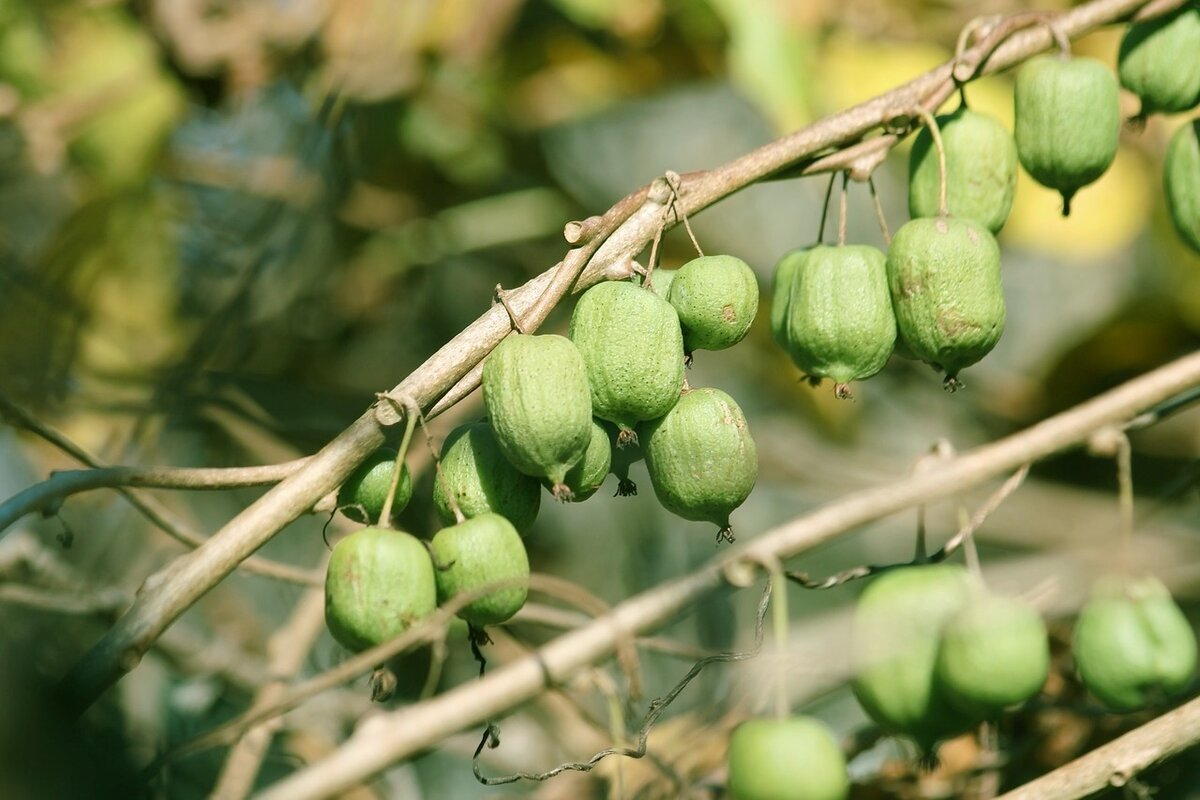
(626,229)
(402,733)
(1117,763)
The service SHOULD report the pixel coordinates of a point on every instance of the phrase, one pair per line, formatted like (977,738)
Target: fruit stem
(779,627)
(825,208)
(1066,209)
(970,552)
(1124,459)
(411,412)
(842,210)
(883,226)
(920,555)
(936,132)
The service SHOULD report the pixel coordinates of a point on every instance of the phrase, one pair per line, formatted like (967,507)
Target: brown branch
(398,735)
(625,230)
(1119,761)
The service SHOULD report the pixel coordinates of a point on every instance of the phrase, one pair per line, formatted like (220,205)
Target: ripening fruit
(378,583)
(781,293)
(1067,121)
(1133,646)
(898,624)
(786,759)
(981,170)
(476,473)
(701,459)
(585,477)
(716,298)
(477,552)
(994,654)
(539,405)
(840,319)
(622,459)
(1181,181)
(944,275)
(362,495)
(632,345)
(1159,61)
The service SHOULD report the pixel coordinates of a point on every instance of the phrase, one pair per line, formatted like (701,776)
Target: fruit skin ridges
(1181,182)
(632,344)
(1159,61)
(716,298)
(539,405)
(476,474)
(1067,121)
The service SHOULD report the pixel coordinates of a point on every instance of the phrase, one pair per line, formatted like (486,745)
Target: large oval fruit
(1159,61)
(475,553)
(981,170)
(1133,645)
(539,404)
(1067,121)
(585,477)
(378,583)
(994,654)
(840,320)
(1181,181)
(476,474)
(897,627)
(362,495)
(633,348)
(716,298)
(781,293)
(944,275)
(701,459)
(786,759)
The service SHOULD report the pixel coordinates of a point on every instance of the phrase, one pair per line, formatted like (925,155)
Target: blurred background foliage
(224,224)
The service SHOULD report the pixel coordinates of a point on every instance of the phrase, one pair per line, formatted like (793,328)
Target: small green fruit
(1133,645)
(480,551)
(633,348)
(378,583)
(661,280)
(622,459)
(994,654)
(701,459)
(1159,61)
(897,627)
(944,275)
(1181,180)
(716,298)
(476,473)
(362,496)
(786,759)
(539,404)
(1067,121)
(981,170)
(781,294)
(586,476)
(840,320)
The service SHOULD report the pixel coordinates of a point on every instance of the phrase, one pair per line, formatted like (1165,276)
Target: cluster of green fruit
(562,413)
(936,654)
(936,296)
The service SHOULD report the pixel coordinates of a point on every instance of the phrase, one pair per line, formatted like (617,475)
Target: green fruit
(622,459)
(701,459)
(476,473)
(1181,180)
(786,759)
(840,320)
(1133,645)
(362,495)
(994,654)
(716,298)
(585,477)
(944,275)
(661,280)
(480,551)
(781,292)
(1067,121)
(981,170)
(378,583)
(539,404)
(897,628)
(1159,61)
(633,348)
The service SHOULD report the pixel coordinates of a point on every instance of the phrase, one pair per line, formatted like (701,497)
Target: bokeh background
(225,224)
